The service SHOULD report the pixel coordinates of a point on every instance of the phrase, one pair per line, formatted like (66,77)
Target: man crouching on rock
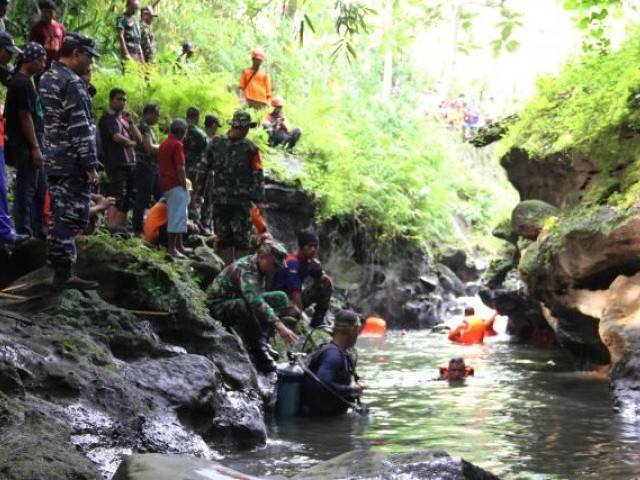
(238,298)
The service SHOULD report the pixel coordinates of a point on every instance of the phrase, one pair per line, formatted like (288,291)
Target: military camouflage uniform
(195,144)
(69,149)
(147,42)
(132,34)
(237,296)
(237,182)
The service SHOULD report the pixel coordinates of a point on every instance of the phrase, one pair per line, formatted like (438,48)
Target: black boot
(64,280)
(251,336)
(273,353)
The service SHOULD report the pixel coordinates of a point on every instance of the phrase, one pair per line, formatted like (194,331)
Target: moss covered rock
(528,217)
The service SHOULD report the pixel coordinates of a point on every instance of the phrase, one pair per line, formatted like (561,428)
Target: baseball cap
(188,47)
(31,51)
(242,120)
(211,120)
(148,9)
(7,42)
(80,40)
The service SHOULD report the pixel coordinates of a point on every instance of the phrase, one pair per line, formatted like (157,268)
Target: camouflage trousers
(235,312)
(69,216)
(232,226)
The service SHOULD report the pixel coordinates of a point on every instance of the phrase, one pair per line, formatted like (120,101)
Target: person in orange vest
(473,329)
(254,89)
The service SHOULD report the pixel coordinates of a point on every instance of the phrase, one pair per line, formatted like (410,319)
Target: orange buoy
(374,327)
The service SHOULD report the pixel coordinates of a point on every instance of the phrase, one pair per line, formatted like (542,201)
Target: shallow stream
(526,414)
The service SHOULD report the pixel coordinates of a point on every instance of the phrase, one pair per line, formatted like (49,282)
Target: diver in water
(330,385)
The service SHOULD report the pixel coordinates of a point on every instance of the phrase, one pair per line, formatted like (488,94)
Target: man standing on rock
(237,297)
(25,127)
(7,235)
(238,182)
(70,154)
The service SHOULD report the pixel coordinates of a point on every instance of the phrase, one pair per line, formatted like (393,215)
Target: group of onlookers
(198,179)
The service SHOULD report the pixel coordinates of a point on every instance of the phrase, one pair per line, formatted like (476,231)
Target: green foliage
(377,160)
(591,18)
(581,109)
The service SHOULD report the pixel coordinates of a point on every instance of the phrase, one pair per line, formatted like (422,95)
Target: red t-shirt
(49,36)
(170,155)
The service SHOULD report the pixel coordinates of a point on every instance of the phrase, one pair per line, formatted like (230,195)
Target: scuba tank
(289,386)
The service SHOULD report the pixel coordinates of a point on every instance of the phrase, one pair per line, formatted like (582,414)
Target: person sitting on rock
(299,267)
(330,384)
(238,298)
(280,131)
(155,224)
(473,329)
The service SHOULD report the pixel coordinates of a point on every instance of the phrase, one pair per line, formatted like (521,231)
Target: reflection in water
(525,414)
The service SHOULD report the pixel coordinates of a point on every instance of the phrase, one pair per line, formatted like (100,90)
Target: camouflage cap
(276,250)
(242,120)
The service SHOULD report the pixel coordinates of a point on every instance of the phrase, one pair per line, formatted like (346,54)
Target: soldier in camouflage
(69,150)
(147,37)
(237,182)
(195,143)
(129,34)
(238,298)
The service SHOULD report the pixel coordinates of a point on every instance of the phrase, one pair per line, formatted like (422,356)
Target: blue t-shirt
(289,279)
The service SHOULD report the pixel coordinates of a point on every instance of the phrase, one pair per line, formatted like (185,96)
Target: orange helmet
(277,102)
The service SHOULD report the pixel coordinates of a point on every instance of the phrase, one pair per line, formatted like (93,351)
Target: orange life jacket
(470,332)
(444,372)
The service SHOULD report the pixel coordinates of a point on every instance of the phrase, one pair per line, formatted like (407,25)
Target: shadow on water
(526,414)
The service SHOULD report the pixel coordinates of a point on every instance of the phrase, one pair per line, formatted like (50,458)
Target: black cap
(211,120)
(75,39)
(7,42)
(188,47)
(47,4)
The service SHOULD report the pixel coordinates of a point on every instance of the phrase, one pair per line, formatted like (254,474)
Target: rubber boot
(251,336)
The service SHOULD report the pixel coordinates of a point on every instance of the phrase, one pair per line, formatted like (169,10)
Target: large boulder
(528,217)
(173,467)
(560,179)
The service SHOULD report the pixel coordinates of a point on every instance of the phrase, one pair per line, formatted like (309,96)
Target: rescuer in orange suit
(473,329)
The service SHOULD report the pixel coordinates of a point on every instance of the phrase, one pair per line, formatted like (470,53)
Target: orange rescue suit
(470,332)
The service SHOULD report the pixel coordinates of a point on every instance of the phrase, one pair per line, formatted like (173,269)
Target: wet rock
(528,217)
(620,332)
(463,267)
(416,465)
(173,467)
(449,280)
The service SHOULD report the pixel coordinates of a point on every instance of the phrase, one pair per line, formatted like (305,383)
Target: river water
(526,414)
